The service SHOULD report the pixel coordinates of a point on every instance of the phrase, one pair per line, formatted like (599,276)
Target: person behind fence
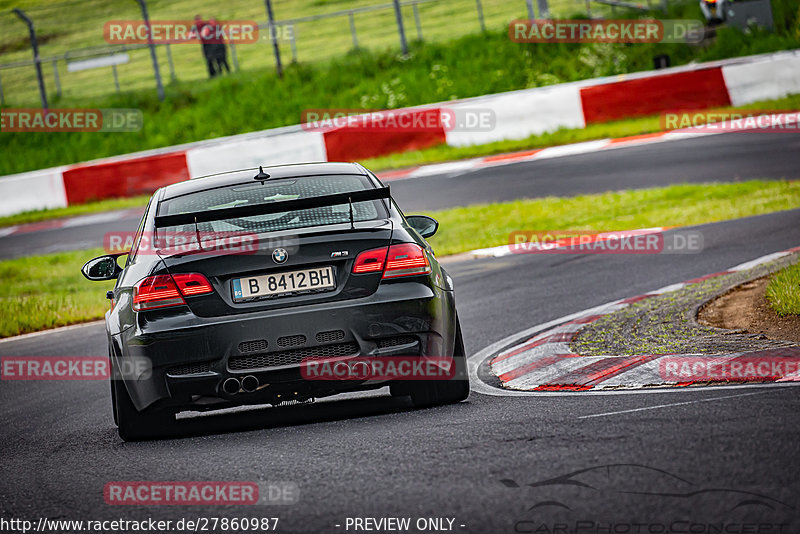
(203,31)
(220,50)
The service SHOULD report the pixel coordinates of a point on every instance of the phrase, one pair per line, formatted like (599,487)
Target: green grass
(255,99)
(783,291)
(41,292)
(72,211)
(48,291)
(487,225)
(615,129)
(75,25)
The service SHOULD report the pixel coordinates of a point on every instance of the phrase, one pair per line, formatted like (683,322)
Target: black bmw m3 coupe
(236,282)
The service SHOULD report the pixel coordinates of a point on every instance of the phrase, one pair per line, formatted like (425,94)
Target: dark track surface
(735,451)
(716,158)
(728,157)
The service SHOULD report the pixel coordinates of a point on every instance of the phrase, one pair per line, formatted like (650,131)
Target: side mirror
(426,226)
(102,268)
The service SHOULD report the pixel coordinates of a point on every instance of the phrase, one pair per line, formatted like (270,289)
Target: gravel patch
(667,324)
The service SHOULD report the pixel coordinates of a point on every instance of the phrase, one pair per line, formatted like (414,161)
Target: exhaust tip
(231,386)
(249,383)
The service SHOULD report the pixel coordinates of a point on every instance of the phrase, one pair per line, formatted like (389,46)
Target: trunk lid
(306,250)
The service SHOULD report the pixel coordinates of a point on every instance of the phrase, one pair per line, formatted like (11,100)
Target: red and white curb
(574,149)
(416,172)
(539,360)
(435,169)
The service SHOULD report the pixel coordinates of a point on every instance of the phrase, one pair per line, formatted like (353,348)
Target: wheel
(438,392)
(133,425)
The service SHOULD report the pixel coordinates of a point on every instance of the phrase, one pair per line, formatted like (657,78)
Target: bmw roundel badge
(279,255)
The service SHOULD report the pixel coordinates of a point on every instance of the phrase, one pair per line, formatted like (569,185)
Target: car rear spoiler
(378,193)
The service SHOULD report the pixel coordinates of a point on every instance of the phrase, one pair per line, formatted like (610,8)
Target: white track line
(659,406)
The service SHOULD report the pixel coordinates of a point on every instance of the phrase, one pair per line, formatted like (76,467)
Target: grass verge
(783,291)
(47,291)
(110,204)
(480,226)
(42,292)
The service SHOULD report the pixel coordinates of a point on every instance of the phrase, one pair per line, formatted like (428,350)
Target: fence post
(353,29)
(274,37)
(293,42)
(234,57)
(531,14)
(171,65)
(416,21)
(116,78)
(159,85)
(480,15)
(400,28)
(544,9)
(55,77)
(37,63)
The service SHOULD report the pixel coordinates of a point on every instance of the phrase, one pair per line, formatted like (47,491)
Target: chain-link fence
(70,33)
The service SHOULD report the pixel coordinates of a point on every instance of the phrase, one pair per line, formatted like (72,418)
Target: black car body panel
(195,347)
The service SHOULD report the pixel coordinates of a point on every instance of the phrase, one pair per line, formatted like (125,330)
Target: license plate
(267,285)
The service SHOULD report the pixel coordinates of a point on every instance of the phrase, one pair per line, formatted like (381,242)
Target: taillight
(191,284)
(370,261)
(163,290)
(406,259)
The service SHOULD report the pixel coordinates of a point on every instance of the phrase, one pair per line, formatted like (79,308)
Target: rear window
(278,191)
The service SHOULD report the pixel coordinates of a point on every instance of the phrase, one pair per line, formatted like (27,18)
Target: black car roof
(297,170)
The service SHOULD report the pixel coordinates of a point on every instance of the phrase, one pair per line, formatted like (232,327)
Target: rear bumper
(190,357)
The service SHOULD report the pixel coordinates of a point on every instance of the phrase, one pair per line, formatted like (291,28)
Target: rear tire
(134,425)
(439,392)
